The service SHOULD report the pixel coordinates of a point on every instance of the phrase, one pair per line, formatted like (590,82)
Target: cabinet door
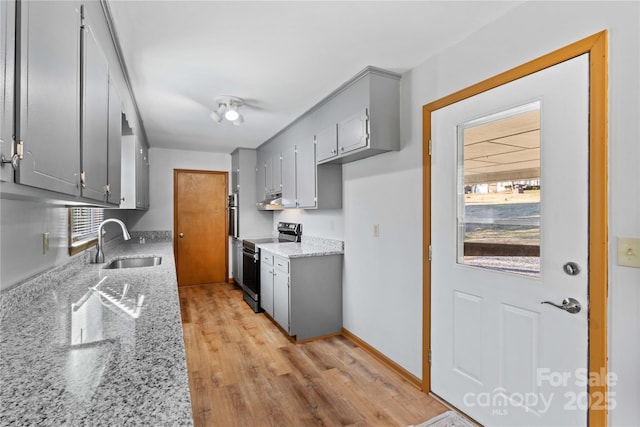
(289,177)
(268,176)
(142,176)
(239,259)
(95,115)
(260,180)
(235,172)
(50,95)
(327,143)
(115,146)
(353,132)
(306,175)
(128,172)
(276,177)
(7,57)
(144,190)
(281,298)
(266,288)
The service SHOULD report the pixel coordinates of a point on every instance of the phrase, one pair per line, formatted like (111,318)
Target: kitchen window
(83,228)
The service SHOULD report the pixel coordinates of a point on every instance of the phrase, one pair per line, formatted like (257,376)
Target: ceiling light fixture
(228,109)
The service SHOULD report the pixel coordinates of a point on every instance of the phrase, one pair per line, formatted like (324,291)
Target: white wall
(383,276)
(162,162)
(327,223)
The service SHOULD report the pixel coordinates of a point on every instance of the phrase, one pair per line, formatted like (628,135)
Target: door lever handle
(570,305)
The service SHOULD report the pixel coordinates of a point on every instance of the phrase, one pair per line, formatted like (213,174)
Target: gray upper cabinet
(135,174)
(68,128)
(349,134)
(306,196)
(114,147)
(353,132)
(142,177)
(273,174)
(365,113)
(49,96)
(305,185)
(289,193)
(252,222)
(7,56)
(327,143)
(95,115)
(235,172)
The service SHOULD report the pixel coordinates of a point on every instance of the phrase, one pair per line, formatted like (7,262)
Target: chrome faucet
(125,234)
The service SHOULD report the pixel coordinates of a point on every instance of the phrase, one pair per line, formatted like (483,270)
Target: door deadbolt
(571,268)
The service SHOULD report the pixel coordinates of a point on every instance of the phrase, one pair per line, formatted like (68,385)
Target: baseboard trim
(412,379)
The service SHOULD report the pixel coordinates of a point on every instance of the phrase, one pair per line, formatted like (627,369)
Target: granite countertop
(79,356)
(310,246)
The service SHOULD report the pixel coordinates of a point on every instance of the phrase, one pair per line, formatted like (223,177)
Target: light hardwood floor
(243,371)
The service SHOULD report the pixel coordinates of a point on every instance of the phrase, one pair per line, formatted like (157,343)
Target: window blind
(84,223)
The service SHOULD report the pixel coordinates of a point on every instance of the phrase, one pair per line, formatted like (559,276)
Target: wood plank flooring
(243,371)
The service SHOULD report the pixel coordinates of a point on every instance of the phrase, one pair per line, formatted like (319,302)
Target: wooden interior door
(200,226)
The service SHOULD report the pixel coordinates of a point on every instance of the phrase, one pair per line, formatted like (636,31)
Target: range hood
(273,202)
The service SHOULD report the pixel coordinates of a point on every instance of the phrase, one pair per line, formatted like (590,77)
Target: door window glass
(499,191)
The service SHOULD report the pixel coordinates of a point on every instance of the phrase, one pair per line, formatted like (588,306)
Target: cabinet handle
(342,149)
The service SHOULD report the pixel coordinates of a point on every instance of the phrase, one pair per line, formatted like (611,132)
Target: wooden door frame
(597,48)
(175,216)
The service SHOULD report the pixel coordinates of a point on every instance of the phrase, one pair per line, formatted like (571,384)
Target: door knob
(181,235)
(570,305)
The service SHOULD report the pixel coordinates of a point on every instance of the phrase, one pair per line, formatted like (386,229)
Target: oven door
(250,274)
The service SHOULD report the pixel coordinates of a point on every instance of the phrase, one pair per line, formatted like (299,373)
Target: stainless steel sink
(149,261)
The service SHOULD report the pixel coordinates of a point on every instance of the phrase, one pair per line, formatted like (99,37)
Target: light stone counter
(310,246)
(70,355)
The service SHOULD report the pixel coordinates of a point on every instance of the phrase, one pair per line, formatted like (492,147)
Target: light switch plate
(629,251)
(376,230)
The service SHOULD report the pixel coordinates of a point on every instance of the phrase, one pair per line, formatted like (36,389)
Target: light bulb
(231,114)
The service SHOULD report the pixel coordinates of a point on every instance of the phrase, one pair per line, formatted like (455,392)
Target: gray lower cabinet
(49,123)
(281,292)
(266,282)
(306,294)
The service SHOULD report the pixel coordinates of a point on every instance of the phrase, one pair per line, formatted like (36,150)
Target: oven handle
(252,254)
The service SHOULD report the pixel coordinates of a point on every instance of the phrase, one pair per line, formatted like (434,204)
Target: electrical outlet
(376,230)
(629,251)
(45,243)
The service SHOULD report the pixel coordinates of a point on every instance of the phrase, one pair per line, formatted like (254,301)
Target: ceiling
(280,57)
(503,150)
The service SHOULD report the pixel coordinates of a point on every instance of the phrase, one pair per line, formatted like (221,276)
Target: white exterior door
(505,240)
